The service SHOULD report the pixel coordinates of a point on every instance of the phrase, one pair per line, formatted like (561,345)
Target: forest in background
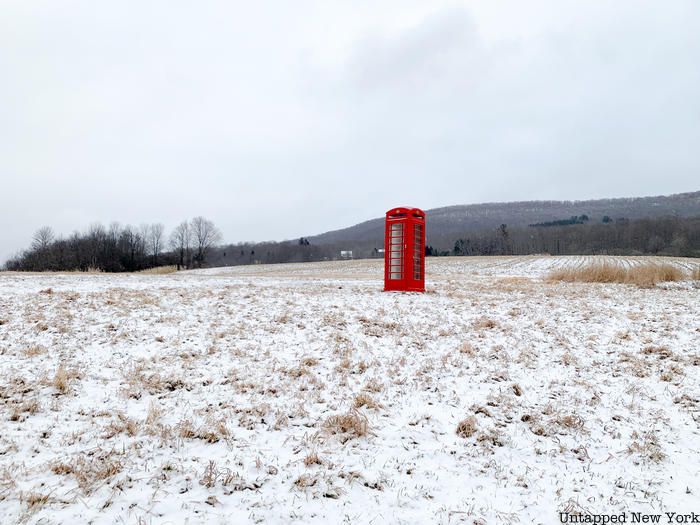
(662,225)
(196,244)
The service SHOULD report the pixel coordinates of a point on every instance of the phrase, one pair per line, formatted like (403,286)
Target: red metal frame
(404,250)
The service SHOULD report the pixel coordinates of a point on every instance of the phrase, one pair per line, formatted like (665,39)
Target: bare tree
(43,237)
(205,235)
(181,243)
(155,240)
(143,234)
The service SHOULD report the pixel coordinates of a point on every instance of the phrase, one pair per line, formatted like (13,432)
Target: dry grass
(35,350)
(467,427)
(364,400)
(28,407)
(121,425)
(350,425)
(312,459)
(467,349)
(89,469)
(484,323)
(34,500)
(647,447)
(309,361)
(644,274)
(695,274)
(60,380)
(160,270)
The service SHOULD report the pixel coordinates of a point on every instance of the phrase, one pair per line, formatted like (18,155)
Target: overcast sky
(282,119)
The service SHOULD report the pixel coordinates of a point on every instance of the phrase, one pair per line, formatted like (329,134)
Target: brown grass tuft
(647,446)
(35,350)
(34,500)
(60,380)
(28,407)
(349,425)
(309,361)
(484,323)
(644,275)
(312,459)
(89,469)
(365,400)
(467,427)
(695,274)
(467,349)
(121,425)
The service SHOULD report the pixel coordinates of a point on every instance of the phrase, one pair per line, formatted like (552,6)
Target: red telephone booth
(404,250)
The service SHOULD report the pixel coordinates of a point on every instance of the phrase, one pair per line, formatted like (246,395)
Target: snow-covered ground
(305,394)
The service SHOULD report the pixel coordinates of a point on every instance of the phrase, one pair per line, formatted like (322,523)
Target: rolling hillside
(477,217)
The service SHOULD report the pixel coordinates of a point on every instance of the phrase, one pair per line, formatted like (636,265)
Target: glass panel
(417,251)
(396,242)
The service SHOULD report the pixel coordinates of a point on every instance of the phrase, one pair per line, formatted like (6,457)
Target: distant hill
(453,221)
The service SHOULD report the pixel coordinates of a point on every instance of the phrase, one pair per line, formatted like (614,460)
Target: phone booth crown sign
(404,250)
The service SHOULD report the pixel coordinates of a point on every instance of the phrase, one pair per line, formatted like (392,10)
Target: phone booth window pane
(417,249)
(396,242)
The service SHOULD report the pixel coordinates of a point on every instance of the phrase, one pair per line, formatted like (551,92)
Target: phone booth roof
(401,211)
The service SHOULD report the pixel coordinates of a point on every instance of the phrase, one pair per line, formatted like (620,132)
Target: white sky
(282,119)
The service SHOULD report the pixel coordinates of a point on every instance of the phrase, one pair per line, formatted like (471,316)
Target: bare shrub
(467,427)
(643,275)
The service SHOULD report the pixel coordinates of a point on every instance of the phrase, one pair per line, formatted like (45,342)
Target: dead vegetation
(89,469)
(61,379)
(467,427)
(644,274)
(646,446)
(312,459)
(365,400)
(352,424)
(18,412)
(160,270)
(217,387)
(34,500)
(35,350)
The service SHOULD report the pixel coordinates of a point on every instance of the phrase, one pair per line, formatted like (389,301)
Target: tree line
(118,248)
(197,243)
(659,236)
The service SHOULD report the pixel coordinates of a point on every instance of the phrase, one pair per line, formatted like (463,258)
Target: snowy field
(304,394)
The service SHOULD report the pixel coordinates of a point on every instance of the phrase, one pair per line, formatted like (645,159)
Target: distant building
(346,254)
